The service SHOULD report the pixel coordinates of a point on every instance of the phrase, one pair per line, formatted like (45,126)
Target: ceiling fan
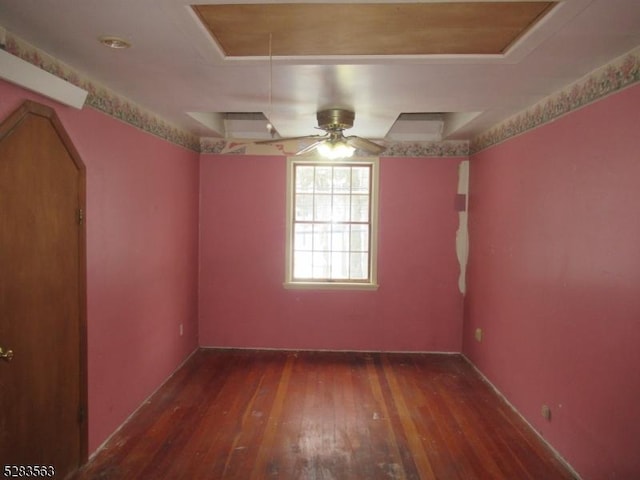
(333,144)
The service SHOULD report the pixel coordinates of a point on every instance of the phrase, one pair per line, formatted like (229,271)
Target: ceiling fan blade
(308,148)
(280,140)
(366,145)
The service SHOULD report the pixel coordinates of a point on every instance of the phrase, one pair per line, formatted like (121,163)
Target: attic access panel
(316,29)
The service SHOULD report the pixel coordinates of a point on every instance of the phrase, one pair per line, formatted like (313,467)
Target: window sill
(329,286)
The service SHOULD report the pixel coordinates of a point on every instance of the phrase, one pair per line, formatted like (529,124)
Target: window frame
(368,284)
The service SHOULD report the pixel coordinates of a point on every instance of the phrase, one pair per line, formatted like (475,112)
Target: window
(331,223)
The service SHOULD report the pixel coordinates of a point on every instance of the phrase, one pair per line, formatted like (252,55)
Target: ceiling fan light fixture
(335,150)
(333,145)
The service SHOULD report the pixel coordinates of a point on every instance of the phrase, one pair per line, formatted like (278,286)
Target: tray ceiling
(414,70)
(311,29)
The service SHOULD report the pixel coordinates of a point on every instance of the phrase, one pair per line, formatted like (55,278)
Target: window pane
(303,239)
(360,208)
(359,238)
(323,179)
(321,264)
(340,238)
(331,225)
(340,265)
(322,208)
(342,179)
(304,207)
(359,266)
(340,208)
(322,237)
(302,262)
(360,180)
(304,179)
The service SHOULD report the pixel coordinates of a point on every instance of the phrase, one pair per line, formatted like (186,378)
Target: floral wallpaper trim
(617,75)
(459,148)
(101,98)
(446,148)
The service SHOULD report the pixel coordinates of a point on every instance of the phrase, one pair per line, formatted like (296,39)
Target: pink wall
(242,301)
(554,281)
(142,216)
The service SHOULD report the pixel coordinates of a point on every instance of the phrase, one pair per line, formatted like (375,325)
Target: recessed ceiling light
(114,42)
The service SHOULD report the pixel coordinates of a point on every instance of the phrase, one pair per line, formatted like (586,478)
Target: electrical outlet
(546,412)
(181,330)
(479,334)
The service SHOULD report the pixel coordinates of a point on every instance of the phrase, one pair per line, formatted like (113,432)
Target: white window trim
(372,284)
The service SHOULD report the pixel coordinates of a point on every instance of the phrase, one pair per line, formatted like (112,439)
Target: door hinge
(81,415)
(80,216)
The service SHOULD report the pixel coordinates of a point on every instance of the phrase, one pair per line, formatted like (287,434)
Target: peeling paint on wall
(462,234)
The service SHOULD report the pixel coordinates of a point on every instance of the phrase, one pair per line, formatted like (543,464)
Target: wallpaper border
(621,73)
(447,148)
(100,97)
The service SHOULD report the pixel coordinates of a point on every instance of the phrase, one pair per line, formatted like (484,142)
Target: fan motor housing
(335,119)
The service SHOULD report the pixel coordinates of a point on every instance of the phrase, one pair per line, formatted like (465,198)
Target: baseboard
(533,429)
(271,349)
(144,402)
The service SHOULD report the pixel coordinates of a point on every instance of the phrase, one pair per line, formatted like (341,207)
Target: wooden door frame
(6,127)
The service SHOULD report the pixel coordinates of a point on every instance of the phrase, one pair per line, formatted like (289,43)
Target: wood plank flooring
(237,414)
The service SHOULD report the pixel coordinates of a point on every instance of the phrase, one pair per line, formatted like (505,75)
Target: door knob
(6,354)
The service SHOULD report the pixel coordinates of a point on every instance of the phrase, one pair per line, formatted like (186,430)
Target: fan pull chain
(270,128)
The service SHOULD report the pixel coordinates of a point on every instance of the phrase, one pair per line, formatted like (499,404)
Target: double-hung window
(332,223)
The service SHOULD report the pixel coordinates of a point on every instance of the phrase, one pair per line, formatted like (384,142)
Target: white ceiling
(174,67)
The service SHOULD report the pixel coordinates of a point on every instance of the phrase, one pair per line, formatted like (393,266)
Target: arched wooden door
(43,393)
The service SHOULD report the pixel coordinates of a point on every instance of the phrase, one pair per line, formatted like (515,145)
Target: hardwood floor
(229,414)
